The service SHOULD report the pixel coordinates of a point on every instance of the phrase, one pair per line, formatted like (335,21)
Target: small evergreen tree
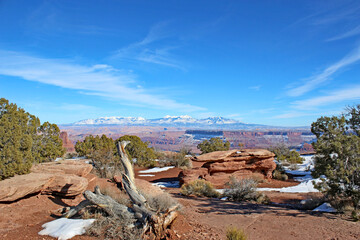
(24,141)
(91,144)
(212,145)
(338,155)
(140,150)
(284,154)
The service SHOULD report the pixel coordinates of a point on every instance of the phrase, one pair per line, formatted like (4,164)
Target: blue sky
(268,62)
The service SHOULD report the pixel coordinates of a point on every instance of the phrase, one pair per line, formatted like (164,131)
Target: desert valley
(179,120)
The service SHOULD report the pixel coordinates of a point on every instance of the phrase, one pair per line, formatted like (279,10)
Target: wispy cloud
(77,107)
(348,94)
(256,88)
(148,50)
(100,80)
(318,79)
(353,32)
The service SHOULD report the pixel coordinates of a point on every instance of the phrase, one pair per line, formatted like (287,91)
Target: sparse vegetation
(161,202)
(145,156)
(137,149)
(24,140)
(233,233)
(92,144)
(284,154)
(199,187)
(175,159)
(244,190)
(277,174)
(338,157)
(106,164)
(212,145)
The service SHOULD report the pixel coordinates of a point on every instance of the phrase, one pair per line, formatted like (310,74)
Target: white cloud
(318,79)
(348,94)
(256,88)
(353,32)
(146,50)
(101,80)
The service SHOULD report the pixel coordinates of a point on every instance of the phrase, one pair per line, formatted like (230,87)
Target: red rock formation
(219,166)
(67,144)
(65,178)
(307,149)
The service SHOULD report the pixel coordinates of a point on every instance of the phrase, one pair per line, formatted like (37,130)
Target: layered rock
(220,165)
(64,178)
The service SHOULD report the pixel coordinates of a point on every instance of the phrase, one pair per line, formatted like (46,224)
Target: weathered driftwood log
(154,223)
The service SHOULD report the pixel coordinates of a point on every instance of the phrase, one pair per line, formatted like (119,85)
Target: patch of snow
(224,199)
(221,191)
(146,175)
(325,207)
(172,184)
(303,187)
(65,228)
(156,169)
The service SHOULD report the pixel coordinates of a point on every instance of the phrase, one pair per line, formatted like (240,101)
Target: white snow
(325,207)
(146,175)
(303,174)
(65,228)
(156,169)
(303,187)
(171,184)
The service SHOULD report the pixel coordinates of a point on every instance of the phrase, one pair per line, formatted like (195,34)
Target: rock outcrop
(220,165)
(65,178)
(67,144)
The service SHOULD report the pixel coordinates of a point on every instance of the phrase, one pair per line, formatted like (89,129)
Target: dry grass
(233,233)
(116,194)
(114,228)
(244,190)
(199,187)
(161,202)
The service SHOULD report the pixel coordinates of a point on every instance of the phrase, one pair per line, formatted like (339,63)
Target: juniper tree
(212,145)
(338,155)
(24,141)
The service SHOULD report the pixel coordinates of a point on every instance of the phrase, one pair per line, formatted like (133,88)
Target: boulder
(20,186)
(76,167)
(65,178)
(218,166)
(67,185)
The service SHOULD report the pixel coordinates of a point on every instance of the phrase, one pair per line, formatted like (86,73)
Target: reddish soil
(200,218)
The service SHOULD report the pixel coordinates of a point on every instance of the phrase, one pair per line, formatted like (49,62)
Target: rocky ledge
(220,165)
(65,178)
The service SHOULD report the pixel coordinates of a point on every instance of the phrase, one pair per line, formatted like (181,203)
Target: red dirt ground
(200,218)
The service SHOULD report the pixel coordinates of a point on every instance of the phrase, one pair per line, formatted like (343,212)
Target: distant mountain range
(178,121)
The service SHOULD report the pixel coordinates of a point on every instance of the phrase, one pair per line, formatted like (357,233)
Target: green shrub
(175,159)
(233,233)
(24,140)
(199,187)
(212,145)
(91,144)
(284,154)
(280,175)
(243,190)
(144,155)
(105,163)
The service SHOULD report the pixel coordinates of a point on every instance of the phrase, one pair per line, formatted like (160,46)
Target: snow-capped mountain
(176,121)
(112,121)
(167,120)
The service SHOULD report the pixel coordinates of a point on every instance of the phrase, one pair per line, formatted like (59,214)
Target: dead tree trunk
(151,222)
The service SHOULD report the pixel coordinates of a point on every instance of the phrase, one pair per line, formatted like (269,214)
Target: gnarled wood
(155,223)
